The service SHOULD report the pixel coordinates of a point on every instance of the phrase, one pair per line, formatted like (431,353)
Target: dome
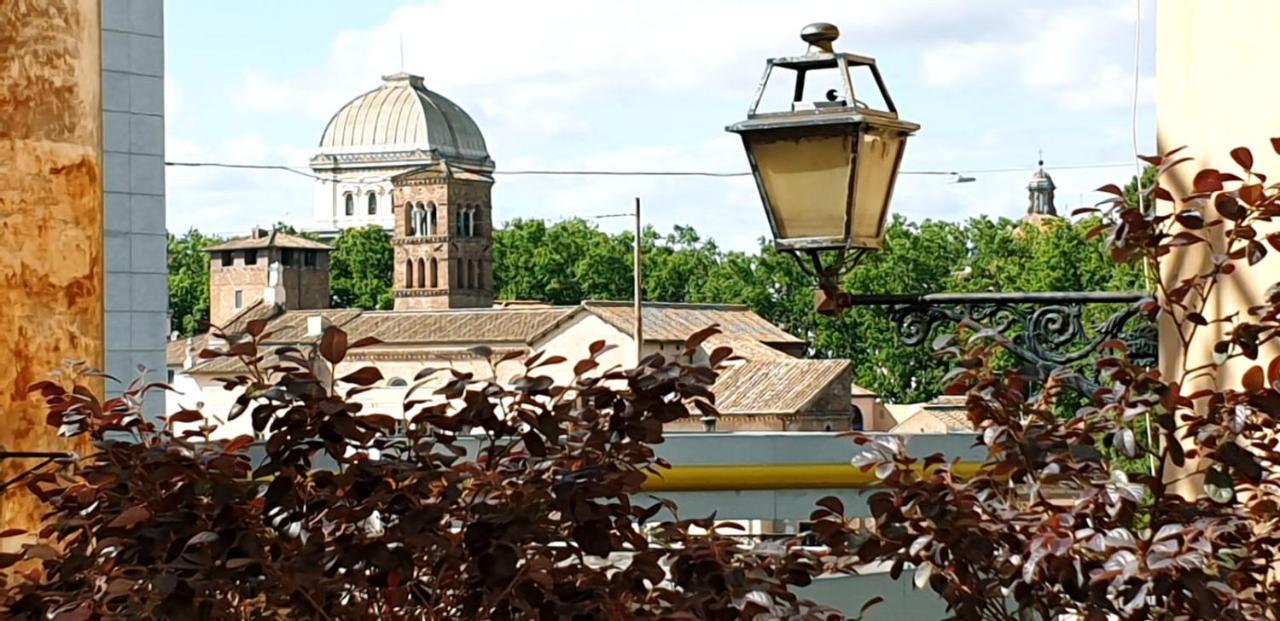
(1040,180)
(402,115)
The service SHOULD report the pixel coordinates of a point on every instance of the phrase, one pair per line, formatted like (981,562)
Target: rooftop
(262,238)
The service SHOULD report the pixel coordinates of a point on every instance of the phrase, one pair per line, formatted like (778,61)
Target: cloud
(228,202)
(648,86)
(1078,57)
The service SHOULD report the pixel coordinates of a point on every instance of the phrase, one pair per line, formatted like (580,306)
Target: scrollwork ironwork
(1045,331)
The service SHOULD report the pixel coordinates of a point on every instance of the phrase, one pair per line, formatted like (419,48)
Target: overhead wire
(642,173)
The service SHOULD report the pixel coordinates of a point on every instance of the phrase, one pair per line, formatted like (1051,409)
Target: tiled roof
(270,239)
(744,347)
(488,325)
(775,386)
(675,322)
(175,351)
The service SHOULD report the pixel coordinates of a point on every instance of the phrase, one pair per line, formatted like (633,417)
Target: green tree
(360,269)
(189,281)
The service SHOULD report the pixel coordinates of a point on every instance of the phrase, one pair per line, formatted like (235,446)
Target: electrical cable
(639,173)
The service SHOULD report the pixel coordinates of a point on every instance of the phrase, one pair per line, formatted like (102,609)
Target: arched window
(855,421)
(433,274)
(422,273)
(471,221)
(408,219)
(373,204)
(351,205)
(408,273)
(397,382)
(459,229)
(475,274)
(431,218)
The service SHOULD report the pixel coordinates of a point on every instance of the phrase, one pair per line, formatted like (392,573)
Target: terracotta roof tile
(488,325)
(744,347)
(775,386)
(273,239)
(675,322)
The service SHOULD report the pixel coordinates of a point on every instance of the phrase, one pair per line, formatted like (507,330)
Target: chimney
(257,232)
(274,292)
(190,359)
(316,325)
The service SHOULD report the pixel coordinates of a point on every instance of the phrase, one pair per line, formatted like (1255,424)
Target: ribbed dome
(403,115)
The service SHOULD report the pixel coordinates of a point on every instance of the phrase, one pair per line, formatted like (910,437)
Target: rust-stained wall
(50,215)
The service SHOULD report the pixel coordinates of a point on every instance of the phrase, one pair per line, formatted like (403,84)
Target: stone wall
(137,286)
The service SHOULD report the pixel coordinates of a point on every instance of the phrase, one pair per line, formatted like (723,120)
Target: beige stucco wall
(51,267)
(1216,90)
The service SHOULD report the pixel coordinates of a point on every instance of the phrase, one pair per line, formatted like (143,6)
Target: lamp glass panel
(807,181)
(877,165)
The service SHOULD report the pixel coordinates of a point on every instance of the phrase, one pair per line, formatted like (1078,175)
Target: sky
(650,85)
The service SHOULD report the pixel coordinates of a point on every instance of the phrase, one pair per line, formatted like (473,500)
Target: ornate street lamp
(825,169)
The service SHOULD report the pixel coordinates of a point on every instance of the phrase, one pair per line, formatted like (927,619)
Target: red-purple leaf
(364,376)
(1243,156)
(333,345)
(130,517)
(1207,180)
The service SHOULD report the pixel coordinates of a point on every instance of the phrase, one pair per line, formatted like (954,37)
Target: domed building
(397,127)
(1040,194)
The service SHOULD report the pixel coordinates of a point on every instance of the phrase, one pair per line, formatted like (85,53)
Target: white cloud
(1079,57)
(588,85)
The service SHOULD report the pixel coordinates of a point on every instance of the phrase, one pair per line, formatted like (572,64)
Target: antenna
(1041,157)
(402,52)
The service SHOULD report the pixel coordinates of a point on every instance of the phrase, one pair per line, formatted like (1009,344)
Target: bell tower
(443,238)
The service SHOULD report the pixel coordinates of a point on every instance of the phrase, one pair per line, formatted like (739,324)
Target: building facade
(267,267)
(395,128)
(443,239)
(136,282)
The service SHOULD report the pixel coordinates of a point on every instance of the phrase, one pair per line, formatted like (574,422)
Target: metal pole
(637,295)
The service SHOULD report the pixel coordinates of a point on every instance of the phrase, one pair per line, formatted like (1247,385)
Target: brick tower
(443,238)
(270,266)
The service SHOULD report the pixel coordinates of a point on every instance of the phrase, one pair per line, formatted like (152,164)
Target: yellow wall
(1216,90)
(50,216)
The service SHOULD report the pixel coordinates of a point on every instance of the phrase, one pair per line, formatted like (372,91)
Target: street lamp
(825,169)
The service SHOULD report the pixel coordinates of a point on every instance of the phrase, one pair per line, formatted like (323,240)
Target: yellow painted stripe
(771,476)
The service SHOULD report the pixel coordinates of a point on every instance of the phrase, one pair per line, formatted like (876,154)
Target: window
(458,228)
(855,421)
(397,382)
(239,299)
(251,257)
(351,205)
(309,258)
(287,257)
(373,204)
(422,273)
(431,218)
(408,273)
(471,221)
(433,275)
(228,259)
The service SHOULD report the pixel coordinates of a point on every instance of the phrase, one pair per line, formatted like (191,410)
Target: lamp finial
(820,36)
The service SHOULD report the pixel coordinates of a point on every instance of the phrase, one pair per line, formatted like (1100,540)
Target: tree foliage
(189,281)
(573,260)
(1051,525)
(347,514)
(360,269)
